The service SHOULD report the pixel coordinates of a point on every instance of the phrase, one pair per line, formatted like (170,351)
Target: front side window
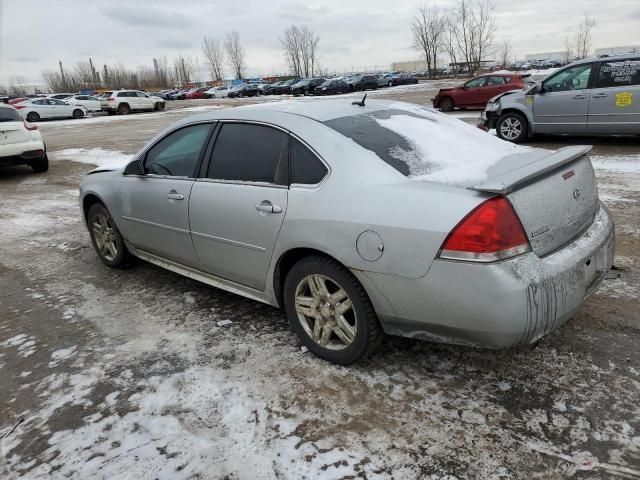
(250,153)
(476,82)
(177,154)
(572,78)
(621,73)
(304,166)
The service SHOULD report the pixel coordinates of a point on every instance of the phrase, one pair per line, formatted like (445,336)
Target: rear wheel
(41,165)
(33,117)
(330,311)
(446,104)
(390,84)
(512,127)
(159,106)
(106,237)
(77,113)
(124,109)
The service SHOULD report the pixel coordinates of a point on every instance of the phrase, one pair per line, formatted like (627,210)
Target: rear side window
(250,153)
(305,167)
(619,73)
(176,154)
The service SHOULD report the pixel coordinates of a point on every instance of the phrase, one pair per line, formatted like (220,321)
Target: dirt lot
(126,374)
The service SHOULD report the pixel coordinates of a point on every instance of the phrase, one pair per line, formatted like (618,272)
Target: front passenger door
(236,211)
(155,206)
(563,104)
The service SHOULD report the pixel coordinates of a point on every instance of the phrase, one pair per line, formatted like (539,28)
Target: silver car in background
(594,96)
(362,220)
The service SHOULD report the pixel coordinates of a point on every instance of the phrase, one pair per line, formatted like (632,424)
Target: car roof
(604,58)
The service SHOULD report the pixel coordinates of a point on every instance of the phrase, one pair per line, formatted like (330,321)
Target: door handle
(266,206)
(599,95)
(173,195)
(579,97)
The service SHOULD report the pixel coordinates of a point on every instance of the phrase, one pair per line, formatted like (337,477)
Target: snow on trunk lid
(558,206)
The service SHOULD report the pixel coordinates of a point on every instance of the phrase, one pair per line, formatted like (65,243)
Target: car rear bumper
(21,153)
(499,305)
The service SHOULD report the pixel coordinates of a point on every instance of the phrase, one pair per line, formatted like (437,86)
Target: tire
(359,330)
(41,165)
(158,107)
(33,117)
(124,109)
(390,84)
(446,105)
(77,114)
(99,213)
(512,127)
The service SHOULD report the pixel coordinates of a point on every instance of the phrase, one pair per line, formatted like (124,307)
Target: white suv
(20,142)
(127,101)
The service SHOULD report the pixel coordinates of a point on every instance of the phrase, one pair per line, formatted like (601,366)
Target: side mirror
(134,168)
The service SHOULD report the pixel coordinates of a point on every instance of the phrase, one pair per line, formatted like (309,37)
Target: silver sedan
(362,220)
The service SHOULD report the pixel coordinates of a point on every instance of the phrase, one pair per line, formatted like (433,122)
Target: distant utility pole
(64,81)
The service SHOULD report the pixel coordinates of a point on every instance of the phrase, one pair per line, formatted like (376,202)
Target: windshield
(9,115)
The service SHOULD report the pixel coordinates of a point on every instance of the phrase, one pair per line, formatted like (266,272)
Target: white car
(91,103)
(124,102)
(20,143)
(217,92)
(35,109)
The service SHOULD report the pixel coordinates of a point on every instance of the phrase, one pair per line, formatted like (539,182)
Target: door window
(476,82)
(250,153)
(176,155)
(621,73)
(305,167)
(497,81)
(573,78)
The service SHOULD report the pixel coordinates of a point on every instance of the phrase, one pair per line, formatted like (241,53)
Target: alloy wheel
(511,128)
(105,237)
(326,312)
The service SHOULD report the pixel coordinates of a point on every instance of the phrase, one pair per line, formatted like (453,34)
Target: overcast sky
(35,34)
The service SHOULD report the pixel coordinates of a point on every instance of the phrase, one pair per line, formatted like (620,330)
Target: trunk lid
(555,196)
(13,132)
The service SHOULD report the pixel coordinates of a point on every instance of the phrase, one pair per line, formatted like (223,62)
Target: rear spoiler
(507,182)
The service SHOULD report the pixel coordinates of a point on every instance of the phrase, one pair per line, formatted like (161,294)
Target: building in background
(618,50)
(560,56)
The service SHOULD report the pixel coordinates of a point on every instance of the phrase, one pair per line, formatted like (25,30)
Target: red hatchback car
(196,93)
(476,92)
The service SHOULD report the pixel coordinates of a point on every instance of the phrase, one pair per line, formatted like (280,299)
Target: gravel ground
(127,374)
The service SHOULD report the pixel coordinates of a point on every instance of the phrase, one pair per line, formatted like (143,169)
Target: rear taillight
(110,99)
(29,126)
(491,232)
(18,107)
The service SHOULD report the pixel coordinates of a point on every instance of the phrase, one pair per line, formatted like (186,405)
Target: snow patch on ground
(616,163)
(93,156)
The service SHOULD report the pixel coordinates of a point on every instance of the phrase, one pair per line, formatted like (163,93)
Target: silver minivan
(598,96)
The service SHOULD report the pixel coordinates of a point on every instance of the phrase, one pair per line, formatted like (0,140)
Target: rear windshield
(423,144)
(9,115)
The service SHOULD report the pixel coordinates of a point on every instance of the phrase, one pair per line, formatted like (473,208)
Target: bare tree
(450,42)
(568,51)
(214,54)
(475,30)
(300,46)
(428,28)
(582,40)
(17,86)
(235,53)
(505,50)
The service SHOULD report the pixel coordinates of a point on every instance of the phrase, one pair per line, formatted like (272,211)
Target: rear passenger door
(614,106)
(237,208)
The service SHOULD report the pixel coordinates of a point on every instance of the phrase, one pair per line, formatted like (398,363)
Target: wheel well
(88,200)
(288,260)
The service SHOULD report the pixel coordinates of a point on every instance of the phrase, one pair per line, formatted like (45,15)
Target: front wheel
(106,238)
(512,127)
(330,311)
(77,113)
(446,105)
(33,117)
